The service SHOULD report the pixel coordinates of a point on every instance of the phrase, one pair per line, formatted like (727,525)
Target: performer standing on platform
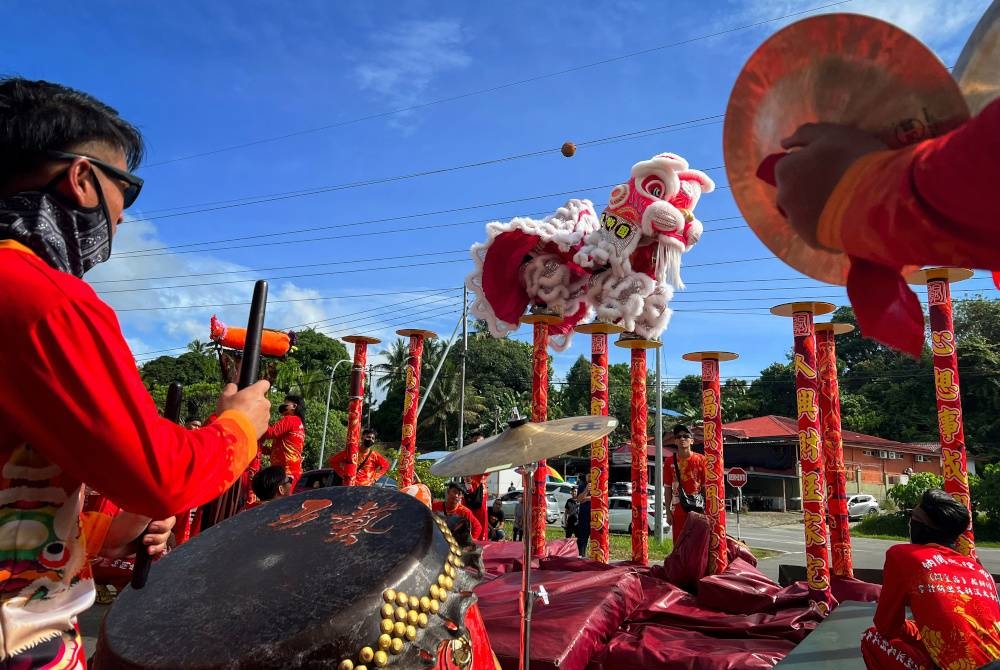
(691,467)
(74,408)
(372,465)
(956,617)
(288,437)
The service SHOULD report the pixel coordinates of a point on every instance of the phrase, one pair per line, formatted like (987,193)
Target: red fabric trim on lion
(272,342)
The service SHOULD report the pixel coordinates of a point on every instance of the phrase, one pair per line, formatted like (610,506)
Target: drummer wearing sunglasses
(78,412)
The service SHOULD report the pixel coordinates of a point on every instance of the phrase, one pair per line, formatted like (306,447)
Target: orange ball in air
(568,149)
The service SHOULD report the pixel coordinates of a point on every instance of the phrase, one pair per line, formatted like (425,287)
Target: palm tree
(311,385)
(393,368)
(199,347)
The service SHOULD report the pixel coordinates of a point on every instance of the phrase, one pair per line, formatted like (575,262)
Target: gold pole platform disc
(550,319)
(837,68)
(407,332)
(721,356)
(355,339)
(792,308)
(837,328)
(951,274)
(630,341)
(599,327)
(978,68)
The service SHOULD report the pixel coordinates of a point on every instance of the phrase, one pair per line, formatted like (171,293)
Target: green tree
(422,470)
(737,403)
(907,495)
(188,368)
(576,390)
(316,351)
(773,392)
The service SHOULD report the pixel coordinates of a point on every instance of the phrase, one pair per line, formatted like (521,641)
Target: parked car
(508,502)
(861,505)
(620,514)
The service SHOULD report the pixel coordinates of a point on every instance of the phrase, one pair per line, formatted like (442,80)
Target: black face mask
(71,239)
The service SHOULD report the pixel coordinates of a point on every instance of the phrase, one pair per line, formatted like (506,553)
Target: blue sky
(286,84)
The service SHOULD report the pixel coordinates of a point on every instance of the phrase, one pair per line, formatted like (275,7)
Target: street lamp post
(326,416)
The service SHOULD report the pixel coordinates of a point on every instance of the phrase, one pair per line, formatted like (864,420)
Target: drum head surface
(285,580)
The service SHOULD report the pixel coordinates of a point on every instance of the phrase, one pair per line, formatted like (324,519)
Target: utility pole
(465,349)
(326,416)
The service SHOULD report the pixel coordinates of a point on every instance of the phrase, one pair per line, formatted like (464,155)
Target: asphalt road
(867,553)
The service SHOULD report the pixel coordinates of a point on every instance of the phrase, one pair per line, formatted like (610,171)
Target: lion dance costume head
(623,267)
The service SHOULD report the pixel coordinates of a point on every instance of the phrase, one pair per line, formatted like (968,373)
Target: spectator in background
(475,491)
(496,519)
(453,506)
(691,467)
(519,519)
(272,482)
(571,516)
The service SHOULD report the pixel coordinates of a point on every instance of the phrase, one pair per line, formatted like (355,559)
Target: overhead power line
(493,89)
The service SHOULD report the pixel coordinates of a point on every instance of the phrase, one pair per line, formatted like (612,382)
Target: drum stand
(527,594)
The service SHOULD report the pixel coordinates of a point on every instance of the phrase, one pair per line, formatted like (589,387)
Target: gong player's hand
(820,154)
(252,401)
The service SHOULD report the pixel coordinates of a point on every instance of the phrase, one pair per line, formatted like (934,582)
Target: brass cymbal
(526,443)
(837,68)
(978,68)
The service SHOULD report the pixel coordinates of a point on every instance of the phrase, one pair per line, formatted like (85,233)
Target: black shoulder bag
(689,502)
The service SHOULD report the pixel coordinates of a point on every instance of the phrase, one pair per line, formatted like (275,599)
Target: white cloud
(406,59)
(152,322)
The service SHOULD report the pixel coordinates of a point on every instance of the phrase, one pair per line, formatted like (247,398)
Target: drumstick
(143,561)
(250,366)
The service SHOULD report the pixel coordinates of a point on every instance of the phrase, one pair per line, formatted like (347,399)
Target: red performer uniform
(928,204)
(480,512)
(461,510)
(956,616)
(288,438)
(74,410)
(370,467)
(693,475)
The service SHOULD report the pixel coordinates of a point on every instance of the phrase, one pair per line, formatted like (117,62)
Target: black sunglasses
(133,184)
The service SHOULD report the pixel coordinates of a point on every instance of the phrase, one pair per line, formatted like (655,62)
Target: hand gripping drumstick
(250,366)
(171,411)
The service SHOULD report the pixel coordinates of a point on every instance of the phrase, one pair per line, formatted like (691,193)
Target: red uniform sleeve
(76,397)
(337,461)
(381,465)
(929,204)
(890,615)
(474,525)
(283,425)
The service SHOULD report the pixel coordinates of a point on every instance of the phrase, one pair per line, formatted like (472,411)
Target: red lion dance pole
(356,401)
(539,413)
(833,447)
(715,468)
(599,548)
(810,448)
(411,401)
(640,458)
(946,388)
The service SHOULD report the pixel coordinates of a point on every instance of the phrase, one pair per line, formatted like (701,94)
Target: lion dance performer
(624,266)
(288,437)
